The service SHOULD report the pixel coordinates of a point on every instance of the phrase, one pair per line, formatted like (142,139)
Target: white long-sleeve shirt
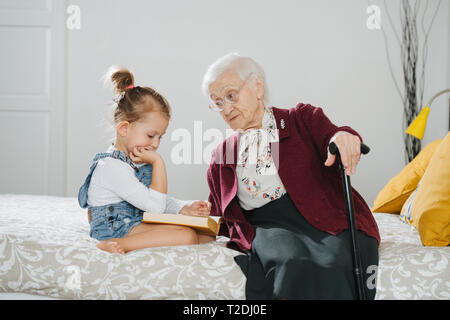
(113,181)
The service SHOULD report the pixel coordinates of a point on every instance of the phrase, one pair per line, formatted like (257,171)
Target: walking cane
(357,265)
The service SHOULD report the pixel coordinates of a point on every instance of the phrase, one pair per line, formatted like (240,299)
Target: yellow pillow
(392,197)
(431,207)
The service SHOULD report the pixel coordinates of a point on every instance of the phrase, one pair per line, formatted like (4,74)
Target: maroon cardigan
(315,189)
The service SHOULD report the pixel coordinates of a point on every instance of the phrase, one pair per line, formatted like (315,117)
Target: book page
(215,218)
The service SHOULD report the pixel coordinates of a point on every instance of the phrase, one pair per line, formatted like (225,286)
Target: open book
(203,224)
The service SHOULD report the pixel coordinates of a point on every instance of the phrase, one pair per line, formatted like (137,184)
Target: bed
(46,253)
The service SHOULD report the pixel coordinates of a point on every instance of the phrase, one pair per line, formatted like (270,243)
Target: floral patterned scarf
(258,179)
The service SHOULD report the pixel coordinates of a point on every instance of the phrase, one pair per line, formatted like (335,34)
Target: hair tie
(129,87)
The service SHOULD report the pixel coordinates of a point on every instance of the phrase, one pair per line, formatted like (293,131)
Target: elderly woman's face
(246,112)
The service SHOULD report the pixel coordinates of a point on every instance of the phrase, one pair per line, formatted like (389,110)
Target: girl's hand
(197,208)
(349,147)
(144,155)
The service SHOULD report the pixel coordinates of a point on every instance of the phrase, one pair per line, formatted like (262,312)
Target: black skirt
(292,259)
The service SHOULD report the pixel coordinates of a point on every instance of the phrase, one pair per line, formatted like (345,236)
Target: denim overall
(117,219)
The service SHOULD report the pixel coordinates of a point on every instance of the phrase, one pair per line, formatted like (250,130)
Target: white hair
(243,66)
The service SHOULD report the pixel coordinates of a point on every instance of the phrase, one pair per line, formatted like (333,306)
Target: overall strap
(116,154)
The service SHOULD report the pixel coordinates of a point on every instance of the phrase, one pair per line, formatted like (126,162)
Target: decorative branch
(412,96)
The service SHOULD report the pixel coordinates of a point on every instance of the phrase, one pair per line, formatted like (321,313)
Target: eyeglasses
(231,96)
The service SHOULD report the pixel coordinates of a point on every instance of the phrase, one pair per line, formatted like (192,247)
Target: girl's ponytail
(133,101)
(121,78)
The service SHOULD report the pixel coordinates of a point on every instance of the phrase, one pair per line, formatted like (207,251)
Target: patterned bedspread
(407,269)
(45,250)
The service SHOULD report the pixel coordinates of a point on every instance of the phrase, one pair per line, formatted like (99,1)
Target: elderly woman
(280,193)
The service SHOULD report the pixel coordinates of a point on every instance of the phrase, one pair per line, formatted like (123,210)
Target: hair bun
(121,78)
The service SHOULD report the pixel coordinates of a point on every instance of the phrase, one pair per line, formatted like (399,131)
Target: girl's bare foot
(111,246)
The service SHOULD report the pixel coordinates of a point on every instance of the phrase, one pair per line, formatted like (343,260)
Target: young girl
(130,177)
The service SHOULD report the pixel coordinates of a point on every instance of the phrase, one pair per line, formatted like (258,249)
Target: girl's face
(146,132)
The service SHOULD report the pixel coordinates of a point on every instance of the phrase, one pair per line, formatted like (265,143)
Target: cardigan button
(111,208)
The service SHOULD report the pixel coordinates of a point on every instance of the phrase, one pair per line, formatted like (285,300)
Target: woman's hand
(144,155)
(349,147)
(197,208)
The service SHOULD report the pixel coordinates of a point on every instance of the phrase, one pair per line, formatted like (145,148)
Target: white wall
(317,52)
(438,73)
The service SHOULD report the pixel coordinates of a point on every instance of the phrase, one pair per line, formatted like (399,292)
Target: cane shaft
(356,256)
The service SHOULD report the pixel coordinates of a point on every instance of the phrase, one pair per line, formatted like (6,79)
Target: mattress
(45,251)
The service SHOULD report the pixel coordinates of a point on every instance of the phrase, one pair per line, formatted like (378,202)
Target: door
(32,97)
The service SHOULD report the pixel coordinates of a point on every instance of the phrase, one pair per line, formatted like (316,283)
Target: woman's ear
(259,88)
(122,128)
